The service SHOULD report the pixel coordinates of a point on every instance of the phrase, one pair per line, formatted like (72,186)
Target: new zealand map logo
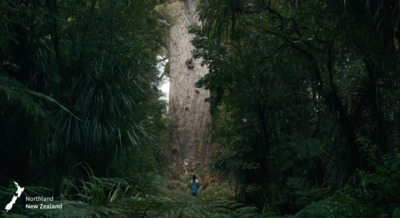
(15,197)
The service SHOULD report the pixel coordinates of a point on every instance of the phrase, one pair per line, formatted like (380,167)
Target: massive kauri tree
(188,111)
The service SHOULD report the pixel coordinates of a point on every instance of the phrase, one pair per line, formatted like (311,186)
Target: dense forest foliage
(305,105)
(305,102)
(79,92)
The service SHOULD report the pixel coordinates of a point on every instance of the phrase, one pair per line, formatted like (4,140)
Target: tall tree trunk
(189,113)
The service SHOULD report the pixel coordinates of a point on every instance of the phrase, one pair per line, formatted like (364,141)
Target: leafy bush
(380,190)
(340,204)
(374,193)
(216,192)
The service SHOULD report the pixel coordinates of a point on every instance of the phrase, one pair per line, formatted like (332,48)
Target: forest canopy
(78,84)
(305,101)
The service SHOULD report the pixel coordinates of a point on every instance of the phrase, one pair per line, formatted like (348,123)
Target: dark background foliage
(78,82)
(295,88)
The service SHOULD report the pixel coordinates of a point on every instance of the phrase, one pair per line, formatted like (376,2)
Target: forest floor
(175,200)
(165,198)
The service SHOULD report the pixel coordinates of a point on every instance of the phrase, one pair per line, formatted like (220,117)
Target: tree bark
(188,112)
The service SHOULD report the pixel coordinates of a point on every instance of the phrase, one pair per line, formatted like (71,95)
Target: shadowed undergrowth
(115,197)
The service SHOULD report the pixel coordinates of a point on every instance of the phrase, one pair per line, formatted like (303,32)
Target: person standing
(194,184)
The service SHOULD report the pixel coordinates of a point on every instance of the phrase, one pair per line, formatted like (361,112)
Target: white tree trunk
(188,111)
